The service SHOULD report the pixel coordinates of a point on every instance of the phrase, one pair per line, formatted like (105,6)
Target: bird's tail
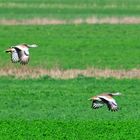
(115,94)
(32,46)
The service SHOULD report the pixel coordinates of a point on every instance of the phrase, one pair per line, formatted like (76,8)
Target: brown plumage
(105,98)
(20,53)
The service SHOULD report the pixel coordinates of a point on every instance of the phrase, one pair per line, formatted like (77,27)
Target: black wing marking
(23,56)
(111,105)
(18,52)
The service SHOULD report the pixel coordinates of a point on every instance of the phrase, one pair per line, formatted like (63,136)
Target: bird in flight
(105,98)
(20,53)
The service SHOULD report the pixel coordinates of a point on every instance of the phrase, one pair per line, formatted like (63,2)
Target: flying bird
(105,98)
(20,53)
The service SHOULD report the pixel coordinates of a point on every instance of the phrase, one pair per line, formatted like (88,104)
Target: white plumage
(20,53)
(14,56)
(105,98)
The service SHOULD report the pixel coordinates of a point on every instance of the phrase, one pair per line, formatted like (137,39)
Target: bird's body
(20,53)
(105,98)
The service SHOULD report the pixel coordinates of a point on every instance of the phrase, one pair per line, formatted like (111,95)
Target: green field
(47,108)
(65,9)
(71,46)
(59,109)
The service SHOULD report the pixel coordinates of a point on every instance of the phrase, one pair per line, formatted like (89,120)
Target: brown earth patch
(92,20)
(35,21)
(26,72)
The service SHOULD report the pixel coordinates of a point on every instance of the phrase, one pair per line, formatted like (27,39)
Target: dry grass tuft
(27,72)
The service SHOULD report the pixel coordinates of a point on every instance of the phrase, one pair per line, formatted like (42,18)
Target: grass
(72,46)
(64,9)
(71,130)
(49,108)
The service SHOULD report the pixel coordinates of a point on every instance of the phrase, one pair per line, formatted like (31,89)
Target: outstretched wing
(110,102)
(113,106)
(96,104)
(14,56)
(23,55)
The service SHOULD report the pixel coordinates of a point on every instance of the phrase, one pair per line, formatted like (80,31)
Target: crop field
(65,9)
(71,46)
(85,47)
(59,109)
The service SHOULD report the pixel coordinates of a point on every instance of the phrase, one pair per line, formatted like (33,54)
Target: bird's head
(10,50)
(94,98)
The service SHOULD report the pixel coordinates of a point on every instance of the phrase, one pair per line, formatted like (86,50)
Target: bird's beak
(8,50)
(90,99)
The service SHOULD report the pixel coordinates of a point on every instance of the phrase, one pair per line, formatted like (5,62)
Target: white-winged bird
(20,53)
(105,98)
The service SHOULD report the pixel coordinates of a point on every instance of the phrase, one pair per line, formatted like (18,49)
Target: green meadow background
(47,108)
(65,9)
(76,46)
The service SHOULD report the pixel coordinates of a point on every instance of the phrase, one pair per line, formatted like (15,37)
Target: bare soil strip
(91,20)
(26,72)
(35,21)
